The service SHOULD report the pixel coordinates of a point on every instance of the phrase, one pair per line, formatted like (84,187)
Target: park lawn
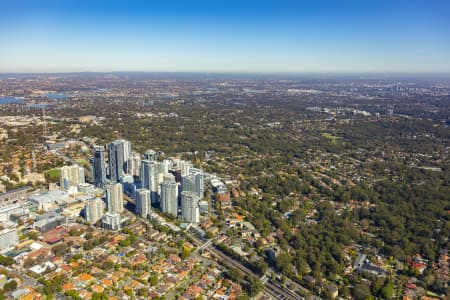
(331,137)
(52,175)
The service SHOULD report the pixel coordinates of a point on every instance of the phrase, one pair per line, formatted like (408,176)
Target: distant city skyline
(230,36)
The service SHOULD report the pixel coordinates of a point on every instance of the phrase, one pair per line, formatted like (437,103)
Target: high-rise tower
(134,164)
(93,210)
(149,178)
(99,167)
(70,176)
(169,197)
(150,155)
(118,153)
(194,182)
(114,197)
(143,204)
(190,210)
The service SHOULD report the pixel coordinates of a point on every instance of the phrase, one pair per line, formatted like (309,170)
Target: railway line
(271,288)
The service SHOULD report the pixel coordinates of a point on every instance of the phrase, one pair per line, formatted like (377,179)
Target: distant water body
(55,96)
(14,100)
(11,100)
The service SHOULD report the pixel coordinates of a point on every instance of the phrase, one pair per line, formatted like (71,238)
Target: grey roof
(50,197)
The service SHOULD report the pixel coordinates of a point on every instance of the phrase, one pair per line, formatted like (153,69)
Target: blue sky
(225,36)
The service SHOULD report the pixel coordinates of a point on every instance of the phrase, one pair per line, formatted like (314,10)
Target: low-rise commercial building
(8,238)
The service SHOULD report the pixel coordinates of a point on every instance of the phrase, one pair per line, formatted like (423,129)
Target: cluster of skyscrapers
(71,176)
(172,184)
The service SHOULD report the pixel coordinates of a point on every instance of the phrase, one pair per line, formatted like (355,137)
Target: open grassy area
(52,175)
(331,137)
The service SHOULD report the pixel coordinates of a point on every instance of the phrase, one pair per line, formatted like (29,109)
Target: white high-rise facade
(194,182)
(184,167)
(143,202)
(126,150)
(190,210)
(94,210)
(149,178)
(111,221)
(114,197)
(134,164)
(169,197)
(164,166)
(71,176)
(163,171)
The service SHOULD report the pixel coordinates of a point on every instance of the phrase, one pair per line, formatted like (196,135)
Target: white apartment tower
(114,197)
(94,210)
(70,176)
(134,164)
(190,210)
(194,182)
(149,178)
(143,202)
(169,197)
